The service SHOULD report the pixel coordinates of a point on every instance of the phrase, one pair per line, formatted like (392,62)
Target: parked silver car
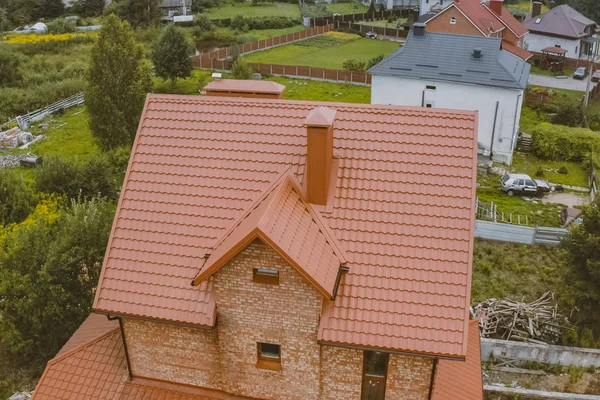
(523,184)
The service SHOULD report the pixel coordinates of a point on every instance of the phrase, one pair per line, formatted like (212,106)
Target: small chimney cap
(320,116)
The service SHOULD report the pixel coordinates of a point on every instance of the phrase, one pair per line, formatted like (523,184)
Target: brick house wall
(173,353)
(408,377)
(288,314)
(441,23)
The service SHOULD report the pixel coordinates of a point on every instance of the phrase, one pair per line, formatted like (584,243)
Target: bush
(16,198)
(563,171)
(561,143)
(61,25)
(354,64)
(374,61)
(203,22)
(240,69)
(539,173)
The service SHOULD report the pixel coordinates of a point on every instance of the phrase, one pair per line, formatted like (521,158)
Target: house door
(375,367)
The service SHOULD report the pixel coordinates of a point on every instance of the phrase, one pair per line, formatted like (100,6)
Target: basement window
(453,21)
(430,87)
(269,356)
(263,275)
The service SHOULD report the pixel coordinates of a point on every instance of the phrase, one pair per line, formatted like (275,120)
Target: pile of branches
(537,322)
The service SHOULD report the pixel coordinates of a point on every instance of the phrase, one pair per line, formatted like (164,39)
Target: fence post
(337,75)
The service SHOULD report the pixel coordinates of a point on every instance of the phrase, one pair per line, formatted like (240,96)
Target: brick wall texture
(225,358)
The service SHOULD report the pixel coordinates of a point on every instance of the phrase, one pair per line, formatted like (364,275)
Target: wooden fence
(378,15)
(302,71)
(217,59)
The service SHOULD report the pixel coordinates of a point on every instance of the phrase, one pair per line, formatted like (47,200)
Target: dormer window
(537,21)
(453,21)
(264,275)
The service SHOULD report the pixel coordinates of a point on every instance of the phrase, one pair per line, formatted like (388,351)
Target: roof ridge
(67,353)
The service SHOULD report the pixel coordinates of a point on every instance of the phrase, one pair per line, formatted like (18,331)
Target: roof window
(537,21)
(263,275)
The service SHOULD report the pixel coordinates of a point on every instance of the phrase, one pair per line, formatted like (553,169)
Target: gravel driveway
(567,83)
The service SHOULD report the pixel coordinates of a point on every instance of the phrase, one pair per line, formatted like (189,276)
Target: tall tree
(171,55)
(118,80)
(52,8)
(583,255)
(589,8)
(140,13)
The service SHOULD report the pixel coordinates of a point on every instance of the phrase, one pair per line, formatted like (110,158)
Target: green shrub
(203,22)
(563,170)
(354,64)
(374,61)
(539,173)
(16,198)
(240,69)
(561,143)
(61,25)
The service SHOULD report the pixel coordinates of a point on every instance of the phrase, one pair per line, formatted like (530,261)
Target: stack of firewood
(537,322)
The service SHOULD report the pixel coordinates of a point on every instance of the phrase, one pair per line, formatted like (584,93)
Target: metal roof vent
(476,54)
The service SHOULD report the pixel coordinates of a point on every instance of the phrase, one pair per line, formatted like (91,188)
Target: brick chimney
(319,153)
(496,6)
(537,9)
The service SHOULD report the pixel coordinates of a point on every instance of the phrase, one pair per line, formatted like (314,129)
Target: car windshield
(504,178)
(580,70)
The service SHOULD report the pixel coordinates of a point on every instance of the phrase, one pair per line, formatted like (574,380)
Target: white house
(432,6)
(562,27)
(443,70)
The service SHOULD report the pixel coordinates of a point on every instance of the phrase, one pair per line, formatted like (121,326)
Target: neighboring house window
(557,45)
(576,48)
(429,105)
(430,87)
(453,21)
(269,356)
(263,275)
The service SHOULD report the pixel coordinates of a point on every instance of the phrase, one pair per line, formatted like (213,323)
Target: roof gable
(283,219)
(563,20)
(479,27)
(447,57)
(508,20)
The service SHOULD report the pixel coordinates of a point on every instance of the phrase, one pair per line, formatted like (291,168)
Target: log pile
(537,322)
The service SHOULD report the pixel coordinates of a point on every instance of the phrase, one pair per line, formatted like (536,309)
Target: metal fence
(518,234)
(24,121)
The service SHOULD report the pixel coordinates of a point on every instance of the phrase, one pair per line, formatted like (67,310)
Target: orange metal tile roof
(284,219)
(93,326)
(516,50)
(403,212)
(250,86)
(461,380)
(96,369)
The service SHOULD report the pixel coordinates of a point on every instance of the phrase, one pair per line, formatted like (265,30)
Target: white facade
(425,5)
(536,42)
(438,94)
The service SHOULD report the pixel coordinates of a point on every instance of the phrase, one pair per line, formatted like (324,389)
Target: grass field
(326,57)
(347,8)
(249,10)
(302,89)
(535,70)
(381,24)
(529,164)
(522,7)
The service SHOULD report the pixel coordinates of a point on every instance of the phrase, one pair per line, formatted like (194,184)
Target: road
(550,81)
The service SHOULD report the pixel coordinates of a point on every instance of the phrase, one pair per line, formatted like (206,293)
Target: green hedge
(257,23)
(562,143)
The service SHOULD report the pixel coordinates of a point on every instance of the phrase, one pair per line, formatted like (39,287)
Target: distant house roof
(485,19)
(173,3)
(199,163)
(94,368)
(461,380)
(554,49)
(449,57)
(563,21)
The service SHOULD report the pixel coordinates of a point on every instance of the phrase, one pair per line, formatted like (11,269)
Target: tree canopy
(171,55)
(118,80)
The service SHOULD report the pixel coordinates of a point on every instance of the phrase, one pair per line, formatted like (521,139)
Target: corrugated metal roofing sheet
(403,212)
(448,57)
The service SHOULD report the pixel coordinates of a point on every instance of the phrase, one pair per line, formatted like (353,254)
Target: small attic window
(453,21)
(537,21)
(263,275)
(268,356)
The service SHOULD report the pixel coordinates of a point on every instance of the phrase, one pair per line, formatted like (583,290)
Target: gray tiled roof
(563,20)
(448,57)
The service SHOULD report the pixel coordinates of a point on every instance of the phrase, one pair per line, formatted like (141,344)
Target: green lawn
(302,89)
(535,70)
(530,164)
(381,23)
(329,57)
(536,212)
(249,10)
(347,8)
